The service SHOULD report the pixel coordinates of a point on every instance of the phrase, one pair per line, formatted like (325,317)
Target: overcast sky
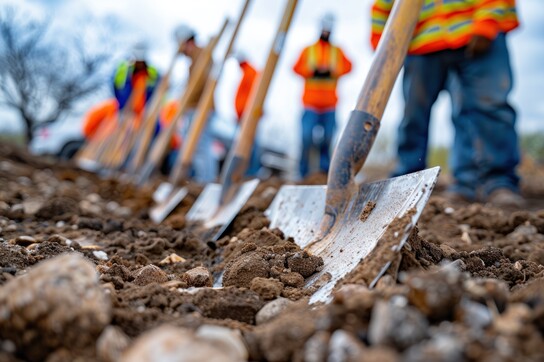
(155,20)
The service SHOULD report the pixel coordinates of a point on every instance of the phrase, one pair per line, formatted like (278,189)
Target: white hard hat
(139,50)
(327,22)
(182,33)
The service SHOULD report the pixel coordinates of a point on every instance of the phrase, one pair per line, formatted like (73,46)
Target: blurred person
(131,73)
(205,165)
(245,88)
(321,65)
(464,41)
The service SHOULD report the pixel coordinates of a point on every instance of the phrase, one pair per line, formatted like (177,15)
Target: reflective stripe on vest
(332,57)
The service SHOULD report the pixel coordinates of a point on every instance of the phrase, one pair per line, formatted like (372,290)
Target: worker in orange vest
(463,41)
(243,93)
(321,65)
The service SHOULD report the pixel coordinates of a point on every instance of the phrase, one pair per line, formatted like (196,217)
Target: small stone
(198,277)
(272,309)
(484,290)
(172,259)
(149,274)
(24,240)
(101,255)
(60,224)
(394,323)
(343,346)
(440,347)
(168,343)
(88,208)
(316,347)
(475,315)
(514,320)
(111,344)
(227,340)
(266,288)
(31,207)
(4,206)
(93,198)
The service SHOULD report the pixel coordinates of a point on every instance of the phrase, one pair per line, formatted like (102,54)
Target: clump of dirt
(57,208)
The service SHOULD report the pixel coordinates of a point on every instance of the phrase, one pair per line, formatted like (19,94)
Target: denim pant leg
(204,163)
(328,122)
(308,122)
(424,78)
(486,83)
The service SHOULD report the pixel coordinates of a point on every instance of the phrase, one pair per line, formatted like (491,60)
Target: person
(205,165)
(243,93)
(321,65)
(461,46)
(130,74)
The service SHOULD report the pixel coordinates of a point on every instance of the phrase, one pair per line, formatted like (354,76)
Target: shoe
(504,197)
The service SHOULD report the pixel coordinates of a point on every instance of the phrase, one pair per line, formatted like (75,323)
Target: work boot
(504,197)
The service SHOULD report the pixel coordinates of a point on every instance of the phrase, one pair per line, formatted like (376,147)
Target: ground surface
(469,284)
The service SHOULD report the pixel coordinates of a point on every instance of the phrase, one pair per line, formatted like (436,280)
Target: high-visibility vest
(449,24)
(320,93)
(244,88)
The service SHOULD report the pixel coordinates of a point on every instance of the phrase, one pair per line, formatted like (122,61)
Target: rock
(227,340)
(272,309)
(395,323)
(444,348)
(316,347)
(198,277)
(357,298)
(267,288)
(89,208)
(475,315)
(31,207)
(304,264)
(483,290)
(24,240)
(172,259)
(100,255)
(435,294)
(343,346)
(58,303)
(149,274)
(514,320)
(172,344)
(111,344)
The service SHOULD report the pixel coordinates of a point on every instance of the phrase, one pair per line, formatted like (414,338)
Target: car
(62,138)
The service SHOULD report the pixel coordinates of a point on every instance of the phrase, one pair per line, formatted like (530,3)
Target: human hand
(478,46)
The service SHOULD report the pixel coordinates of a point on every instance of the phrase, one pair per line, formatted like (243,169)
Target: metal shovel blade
(161,193)
(215,217)
(298,211)
(159,212)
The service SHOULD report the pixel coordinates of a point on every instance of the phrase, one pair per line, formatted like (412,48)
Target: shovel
(343,222)
(166,196)
(160,146)
(218,205)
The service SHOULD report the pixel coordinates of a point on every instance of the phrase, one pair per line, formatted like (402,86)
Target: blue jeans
(205,166)
(310,120)
(485,151)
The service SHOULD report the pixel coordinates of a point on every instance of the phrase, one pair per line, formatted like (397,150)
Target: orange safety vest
(320,94)
(449,24)
(167,115)
(244,88)
(104,111)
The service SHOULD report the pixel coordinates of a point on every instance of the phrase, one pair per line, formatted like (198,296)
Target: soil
(470,276)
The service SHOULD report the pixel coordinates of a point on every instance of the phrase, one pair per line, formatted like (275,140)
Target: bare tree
(44,76)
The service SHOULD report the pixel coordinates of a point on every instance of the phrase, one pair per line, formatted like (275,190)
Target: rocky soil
(86,276)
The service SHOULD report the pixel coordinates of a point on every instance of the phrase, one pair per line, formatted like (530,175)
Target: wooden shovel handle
(360,132)
(238,157)
(204,106)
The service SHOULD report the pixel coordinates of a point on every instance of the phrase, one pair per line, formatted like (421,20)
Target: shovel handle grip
(358,137)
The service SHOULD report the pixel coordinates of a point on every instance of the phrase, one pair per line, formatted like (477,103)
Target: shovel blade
(161,193)
(298,212)
(215,217)
(161,211)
